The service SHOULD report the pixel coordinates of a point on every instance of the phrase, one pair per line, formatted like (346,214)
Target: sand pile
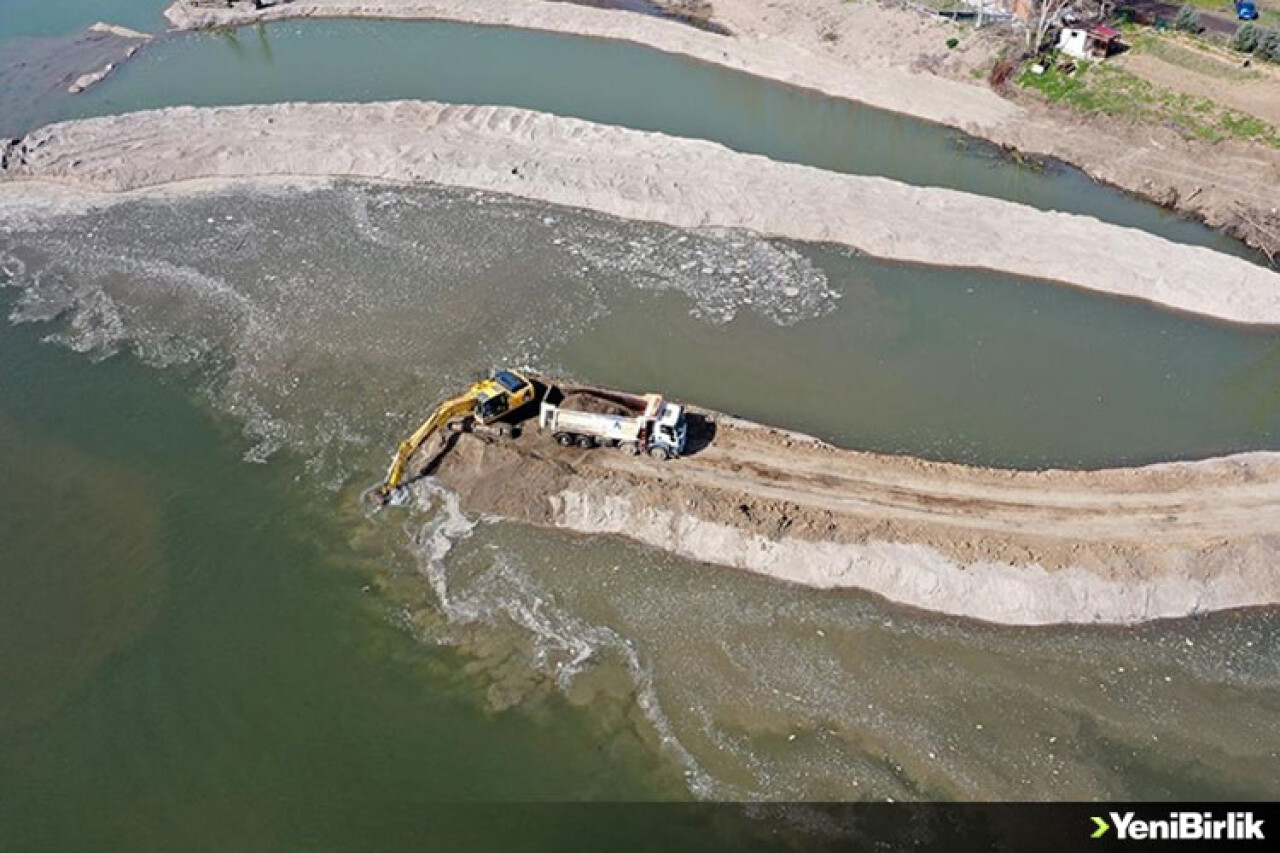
(581,401)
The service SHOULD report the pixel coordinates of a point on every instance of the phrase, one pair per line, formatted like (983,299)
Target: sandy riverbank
(1018,548)
(641,176)
(892,58)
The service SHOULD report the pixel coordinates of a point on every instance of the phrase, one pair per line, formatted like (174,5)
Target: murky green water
(347,311)
(200,652)
(189,660)
(609,82)
(247,666)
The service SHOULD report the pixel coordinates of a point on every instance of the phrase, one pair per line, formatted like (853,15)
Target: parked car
(1246,10)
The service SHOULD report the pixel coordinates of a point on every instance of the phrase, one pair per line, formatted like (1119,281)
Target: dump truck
(652,425)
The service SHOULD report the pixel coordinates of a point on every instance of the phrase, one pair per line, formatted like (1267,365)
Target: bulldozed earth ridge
(1011,547)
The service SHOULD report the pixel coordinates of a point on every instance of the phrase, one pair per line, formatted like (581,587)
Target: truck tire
(659,453)
(586,442)
(563,439)
(631,448)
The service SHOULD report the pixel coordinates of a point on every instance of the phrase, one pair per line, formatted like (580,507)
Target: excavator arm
(487,401)
(445,412)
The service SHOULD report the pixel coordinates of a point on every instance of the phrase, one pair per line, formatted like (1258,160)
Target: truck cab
(670,430)
(1246,10)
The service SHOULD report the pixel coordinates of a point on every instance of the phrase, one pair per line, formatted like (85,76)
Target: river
(205,639)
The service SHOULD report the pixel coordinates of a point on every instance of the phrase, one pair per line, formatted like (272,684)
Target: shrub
(1246,37)
(1001,71)
(1268,44)
(1188,20)
(952,42)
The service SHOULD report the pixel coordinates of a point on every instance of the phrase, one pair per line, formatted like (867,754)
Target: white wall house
(1074,43)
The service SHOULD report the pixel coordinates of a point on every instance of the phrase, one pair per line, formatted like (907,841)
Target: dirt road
(1002,546)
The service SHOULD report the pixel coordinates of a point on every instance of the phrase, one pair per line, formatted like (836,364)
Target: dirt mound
(585,401)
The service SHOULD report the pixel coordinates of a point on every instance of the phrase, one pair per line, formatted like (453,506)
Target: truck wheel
(586,442)
(631,448)
(659,453)
(564,439)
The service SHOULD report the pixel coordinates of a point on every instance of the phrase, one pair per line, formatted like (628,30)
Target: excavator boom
(445,412)
(487,400)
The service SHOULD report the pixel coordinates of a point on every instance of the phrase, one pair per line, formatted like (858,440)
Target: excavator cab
(503,393)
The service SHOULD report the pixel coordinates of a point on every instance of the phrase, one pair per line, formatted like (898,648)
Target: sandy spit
(932,98)
(1017,548)
(641,176)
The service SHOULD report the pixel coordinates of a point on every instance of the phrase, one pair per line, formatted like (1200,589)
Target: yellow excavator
(485,402)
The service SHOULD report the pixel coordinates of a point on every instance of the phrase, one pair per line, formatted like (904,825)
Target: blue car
(1246,10)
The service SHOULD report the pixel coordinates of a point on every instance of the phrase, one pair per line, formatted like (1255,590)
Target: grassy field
(1191,54)
(1099,88)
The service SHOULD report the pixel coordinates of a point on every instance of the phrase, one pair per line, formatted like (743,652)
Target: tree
(1246,37)
(1188,20)
(1043,15)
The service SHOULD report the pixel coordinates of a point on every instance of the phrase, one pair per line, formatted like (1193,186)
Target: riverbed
(208,640)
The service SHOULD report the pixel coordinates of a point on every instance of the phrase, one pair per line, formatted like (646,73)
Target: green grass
(1111,91)
(1173,50)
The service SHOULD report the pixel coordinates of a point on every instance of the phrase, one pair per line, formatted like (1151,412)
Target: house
(1096,42)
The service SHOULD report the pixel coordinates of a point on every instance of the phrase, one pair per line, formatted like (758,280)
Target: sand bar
(641,176)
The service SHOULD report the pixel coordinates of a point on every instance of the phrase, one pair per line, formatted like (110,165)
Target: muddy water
(193,659)
(609,82)
(325,323)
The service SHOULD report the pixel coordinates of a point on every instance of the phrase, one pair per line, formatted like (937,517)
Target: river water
(315,327)
(198,647)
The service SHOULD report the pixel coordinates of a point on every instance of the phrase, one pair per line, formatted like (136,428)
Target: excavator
(484,403)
